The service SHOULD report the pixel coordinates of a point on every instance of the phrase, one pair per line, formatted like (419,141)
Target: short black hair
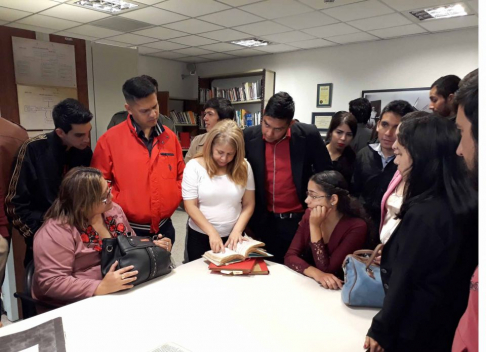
(151,80)
(446,85)
(223,107)
(399,107)
(70,112)
(280,106)
(467,97)
(361,109)
(137,88)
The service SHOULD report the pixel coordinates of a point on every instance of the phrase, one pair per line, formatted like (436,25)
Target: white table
(200,311)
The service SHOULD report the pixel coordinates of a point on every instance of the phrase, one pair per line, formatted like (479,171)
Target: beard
(473,170)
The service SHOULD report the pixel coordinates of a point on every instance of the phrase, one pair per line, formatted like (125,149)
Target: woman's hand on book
(216,243)
(328,281)
(233,240)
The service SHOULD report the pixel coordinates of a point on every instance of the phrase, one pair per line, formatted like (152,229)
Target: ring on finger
(123,277)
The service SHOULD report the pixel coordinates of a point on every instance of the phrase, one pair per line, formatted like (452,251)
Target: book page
(242,248)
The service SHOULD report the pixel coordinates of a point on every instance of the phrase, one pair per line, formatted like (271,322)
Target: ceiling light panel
(110,6)
(250,43)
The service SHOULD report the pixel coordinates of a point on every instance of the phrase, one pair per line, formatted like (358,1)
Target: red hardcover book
(185,138)
(244,267)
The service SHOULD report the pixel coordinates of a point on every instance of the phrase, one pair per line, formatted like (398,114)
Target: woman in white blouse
(218,191)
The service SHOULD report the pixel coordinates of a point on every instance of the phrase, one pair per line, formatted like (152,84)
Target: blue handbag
(362,280)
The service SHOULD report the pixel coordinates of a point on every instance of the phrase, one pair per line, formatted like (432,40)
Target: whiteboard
(36,104)
(44,63)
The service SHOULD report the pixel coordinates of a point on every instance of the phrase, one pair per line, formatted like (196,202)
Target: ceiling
(199,30)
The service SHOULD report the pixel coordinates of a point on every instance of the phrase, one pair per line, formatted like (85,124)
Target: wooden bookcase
(231,80)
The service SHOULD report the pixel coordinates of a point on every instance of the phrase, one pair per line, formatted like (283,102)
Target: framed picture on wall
(417,97)
(322,120)
(324,95)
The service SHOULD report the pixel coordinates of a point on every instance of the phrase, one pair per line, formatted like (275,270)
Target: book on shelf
(247,249)
(185,139)
(248,91)
(244,118)
(251,266)
(183,117)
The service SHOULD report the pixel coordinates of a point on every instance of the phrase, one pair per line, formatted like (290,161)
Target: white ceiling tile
(306,20)
(247,52)
(144,50)
(76,35)
(153,16)
(48,22)
(237,3)
(277,48)
(132,39)
(288,37)
(168,55)
(231,18)
(193,51)
(113,43)
(398,31)
(74,13)
(474,4)
(218,56)
(353,38)
(193,26)
(28,5)
(163,45)
(160,33)
(149,2)
(450,23)
(193,8)
(403,5)
(194,59)
(271,9)
(314,43)
(225,35)
(30,28)
(320,4)
(221,47)
(9,15)
(193,40)
(263,28)
(331,30)
(94,31)
(386,21)
(358,10)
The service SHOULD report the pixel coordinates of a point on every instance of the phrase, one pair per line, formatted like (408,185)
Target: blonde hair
(226,132)
(81,190)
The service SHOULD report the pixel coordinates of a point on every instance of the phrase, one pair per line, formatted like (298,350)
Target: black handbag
(150,260)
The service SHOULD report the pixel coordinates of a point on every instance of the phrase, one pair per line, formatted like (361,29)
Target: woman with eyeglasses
(342,130)
(333,226)
(214,110)
(67,248)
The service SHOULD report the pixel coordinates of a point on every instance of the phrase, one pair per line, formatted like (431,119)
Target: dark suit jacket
(425,268)
(308,155)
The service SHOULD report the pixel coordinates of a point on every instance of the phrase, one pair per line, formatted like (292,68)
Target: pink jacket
(395,181)
(66,269)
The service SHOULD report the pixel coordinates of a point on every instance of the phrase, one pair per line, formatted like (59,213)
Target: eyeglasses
(108,194)
(316,197)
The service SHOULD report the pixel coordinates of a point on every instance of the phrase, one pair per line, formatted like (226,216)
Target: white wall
(408,62)
(111,67)
(168,75)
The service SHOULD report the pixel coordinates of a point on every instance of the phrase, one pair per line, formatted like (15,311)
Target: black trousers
(167,230)
(278,233)
(197,244)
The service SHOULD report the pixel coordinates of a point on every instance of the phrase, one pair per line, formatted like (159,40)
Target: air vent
(121,24)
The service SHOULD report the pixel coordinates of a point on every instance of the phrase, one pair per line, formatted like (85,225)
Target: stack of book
(186,117)
(254,266)
(244,118)
(248,91)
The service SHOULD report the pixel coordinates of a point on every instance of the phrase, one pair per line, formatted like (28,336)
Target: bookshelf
(176,109)
(248,91)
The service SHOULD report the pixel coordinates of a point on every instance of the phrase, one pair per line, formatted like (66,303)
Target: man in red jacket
(143,160)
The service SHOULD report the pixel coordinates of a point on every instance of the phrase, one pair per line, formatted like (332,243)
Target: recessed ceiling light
(111,6)
(250,42)
(448,11)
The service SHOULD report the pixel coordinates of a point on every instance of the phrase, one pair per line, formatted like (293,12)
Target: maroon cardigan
(348,236)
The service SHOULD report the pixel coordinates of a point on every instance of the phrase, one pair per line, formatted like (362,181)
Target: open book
(247,249)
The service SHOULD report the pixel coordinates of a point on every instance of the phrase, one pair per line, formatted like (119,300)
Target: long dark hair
(332,182)
(437,171)
(339,118)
